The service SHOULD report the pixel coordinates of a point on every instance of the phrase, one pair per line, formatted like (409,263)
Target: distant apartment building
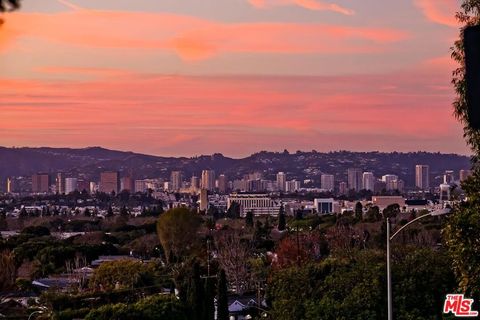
(422,176)
(208,180)
(176,178)
(368,181)
(93,187)
(448,177)
(60,183)
(292,186)
(222,183)
(327,182)
(203,199)
(281,181)
(127,183)
(71,185)
(343,188)
(40,183)
(390,181)
(464,174)
(10,185)
(109,182)
(194,183)
(259,204)
(355,179)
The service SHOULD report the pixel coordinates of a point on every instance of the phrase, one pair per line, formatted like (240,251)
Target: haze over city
(190,77)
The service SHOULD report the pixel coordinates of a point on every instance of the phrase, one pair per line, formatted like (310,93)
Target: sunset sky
(190,77)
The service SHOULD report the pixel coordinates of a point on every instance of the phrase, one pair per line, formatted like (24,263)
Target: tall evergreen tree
(196,293)
(463,227)
(222,297)
(249,219)
(358,210)
(209,304)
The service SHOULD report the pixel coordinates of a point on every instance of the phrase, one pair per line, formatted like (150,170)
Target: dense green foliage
(151,308)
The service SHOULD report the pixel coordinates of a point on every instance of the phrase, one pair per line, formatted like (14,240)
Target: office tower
(390,181)
(208,180)
(327,182)
(93,187)
(203,200)
(60,183)
(71,184)
(422,177)
(40,183)
(141,186)
(195,183)
(175,180)
(109,181)
(222,183)
(127,183)
(10,185)
(281,181)
(343,188)
(368,181)
(464,174)
(355,179)
(399,185)
(292,186)
(448,177)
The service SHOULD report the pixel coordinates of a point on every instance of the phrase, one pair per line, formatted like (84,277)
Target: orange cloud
(439,11)
(315,5)
(236,115)
(194,38)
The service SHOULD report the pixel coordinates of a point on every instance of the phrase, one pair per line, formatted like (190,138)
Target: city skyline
(296,75)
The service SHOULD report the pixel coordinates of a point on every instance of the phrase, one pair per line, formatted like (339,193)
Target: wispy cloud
(195,38)
(439,11)
(315,5)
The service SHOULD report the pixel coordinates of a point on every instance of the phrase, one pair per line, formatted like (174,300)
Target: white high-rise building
(448,177)
(71,184)
(422,177)
(327,182)
(368,182)
(281,181)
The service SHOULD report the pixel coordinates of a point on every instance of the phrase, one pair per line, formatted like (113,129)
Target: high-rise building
(422,176)
(281,181)
(327,182)
(368,181)
(343,187)
(194,183)
(204,200)
(390,181)
(93,187)
(40,183)
(109,182)
(60,183)
(222,183)
(448,177)
(176,180)
(71,185)
(10,185)
(355,179)
(464,174)
(127,183)
(292,186)
(208,180)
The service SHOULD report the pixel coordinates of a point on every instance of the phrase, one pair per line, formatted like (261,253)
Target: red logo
(459,306)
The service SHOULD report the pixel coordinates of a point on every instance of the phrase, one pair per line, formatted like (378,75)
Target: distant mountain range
(89,162)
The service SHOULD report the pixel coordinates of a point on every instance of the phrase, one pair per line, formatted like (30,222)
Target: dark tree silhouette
(281,218)
(222,299)
(9,5)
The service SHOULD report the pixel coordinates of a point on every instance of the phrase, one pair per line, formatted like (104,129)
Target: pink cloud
(236,115)
(439,11)
(193,38)
(315,5)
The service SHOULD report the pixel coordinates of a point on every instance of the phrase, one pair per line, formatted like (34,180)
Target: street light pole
(389,275)
(435,213)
